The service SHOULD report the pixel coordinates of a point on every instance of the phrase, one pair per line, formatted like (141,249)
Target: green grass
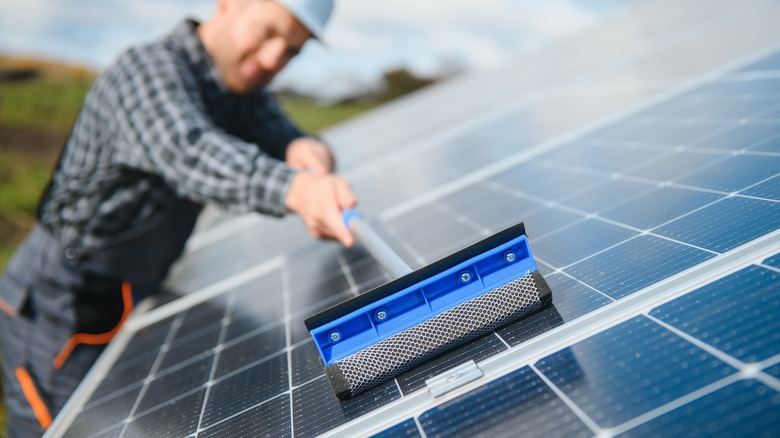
(44,103)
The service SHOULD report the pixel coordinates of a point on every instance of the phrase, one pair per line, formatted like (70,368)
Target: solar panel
(651,206)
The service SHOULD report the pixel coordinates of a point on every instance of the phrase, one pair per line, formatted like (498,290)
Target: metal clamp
(454,378)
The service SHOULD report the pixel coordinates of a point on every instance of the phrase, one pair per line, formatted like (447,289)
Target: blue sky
(365,37)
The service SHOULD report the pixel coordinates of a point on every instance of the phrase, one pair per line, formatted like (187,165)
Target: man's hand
(309,154)
(319,201)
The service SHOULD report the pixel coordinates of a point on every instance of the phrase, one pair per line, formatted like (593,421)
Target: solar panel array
(656,228)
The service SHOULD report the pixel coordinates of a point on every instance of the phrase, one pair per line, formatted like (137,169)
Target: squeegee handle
(377,247)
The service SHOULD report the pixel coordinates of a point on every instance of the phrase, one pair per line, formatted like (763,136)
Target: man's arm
(268,126)
(164,128)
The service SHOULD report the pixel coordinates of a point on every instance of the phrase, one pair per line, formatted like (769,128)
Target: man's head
(251,40)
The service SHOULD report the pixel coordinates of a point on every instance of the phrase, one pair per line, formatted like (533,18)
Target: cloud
(364,38)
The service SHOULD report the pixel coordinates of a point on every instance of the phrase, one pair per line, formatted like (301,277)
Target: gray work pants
(52,328)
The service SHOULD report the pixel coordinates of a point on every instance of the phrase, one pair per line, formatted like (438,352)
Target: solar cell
(635,264)
(733,174)
(271,418)
(725,224)
(579,241)
(630,369)
(654,208)
(773,261)
(744,408)
(519,403)
(769,189)
(737,314)
(406,429)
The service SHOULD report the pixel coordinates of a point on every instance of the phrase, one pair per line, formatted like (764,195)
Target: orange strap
(100,338)
(7,308)
(38,406)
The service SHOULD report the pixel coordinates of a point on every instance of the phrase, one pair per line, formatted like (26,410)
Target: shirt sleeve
(269,126)
(164,127)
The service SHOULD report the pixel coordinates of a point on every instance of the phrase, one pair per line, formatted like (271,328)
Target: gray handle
(377,247)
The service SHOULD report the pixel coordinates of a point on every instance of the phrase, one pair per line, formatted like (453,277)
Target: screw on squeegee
(465,277)
(381,315)
(335,336)
(510,257)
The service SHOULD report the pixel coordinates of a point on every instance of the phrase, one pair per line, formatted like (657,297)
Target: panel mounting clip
(454,378)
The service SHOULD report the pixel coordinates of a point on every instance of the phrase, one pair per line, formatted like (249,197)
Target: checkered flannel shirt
(161,120)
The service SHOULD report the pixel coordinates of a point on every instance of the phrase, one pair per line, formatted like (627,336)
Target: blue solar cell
(271,419)
(546,221)
(177,381)
(259,345)
(744,408)
(658,133)
(622,131)
(740,137)
(106,414)
(544,268)
(573,299)
(630,369)
(726,224)
(382,190)
(185,410)
(773,261)
(769,189)
(738,314)
(444,235)
(245,389)
(518,404)
(675,165)
(190,345)
(407,428)
(530,326)
(491,143)
(544,183)
(771,62)
(115,432)
(756,86)
(733,174)
(600,158)
(306,364)
(696,110)
(317,410)
(773,370)
(734,108)
(578,241)
(635,264)
(201,315)
(771,145)
(605,195)
(489,208)
(659,206)
(125,375)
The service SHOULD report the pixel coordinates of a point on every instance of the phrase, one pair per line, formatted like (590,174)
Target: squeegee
(377,335)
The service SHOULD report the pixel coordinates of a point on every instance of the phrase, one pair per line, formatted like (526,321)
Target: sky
(364,39)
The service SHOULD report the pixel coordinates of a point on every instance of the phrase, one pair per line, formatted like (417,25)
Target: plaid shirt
(160,120)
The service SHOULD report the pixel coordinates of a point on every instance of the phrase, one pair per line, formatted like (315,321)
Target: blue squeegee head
(372,338)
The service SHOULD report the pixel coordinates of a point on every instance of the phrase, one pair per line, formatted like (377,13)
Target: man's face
(256,39)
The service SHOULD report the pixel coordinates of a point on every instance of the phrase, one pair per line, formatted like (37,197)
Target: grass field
(39,102)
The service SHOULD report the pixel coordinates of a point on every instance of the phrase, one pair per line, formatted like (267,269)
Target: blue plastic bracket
(421,301)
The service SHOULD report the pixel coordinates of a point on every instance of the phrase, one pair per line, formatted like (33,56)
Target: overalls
(62,304)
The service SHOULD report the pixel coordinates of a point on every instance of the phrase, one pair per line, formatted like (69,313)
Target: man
(169,127)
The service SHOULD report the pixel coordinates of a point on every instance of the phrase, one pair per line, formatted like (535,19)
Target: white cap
(313,14)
